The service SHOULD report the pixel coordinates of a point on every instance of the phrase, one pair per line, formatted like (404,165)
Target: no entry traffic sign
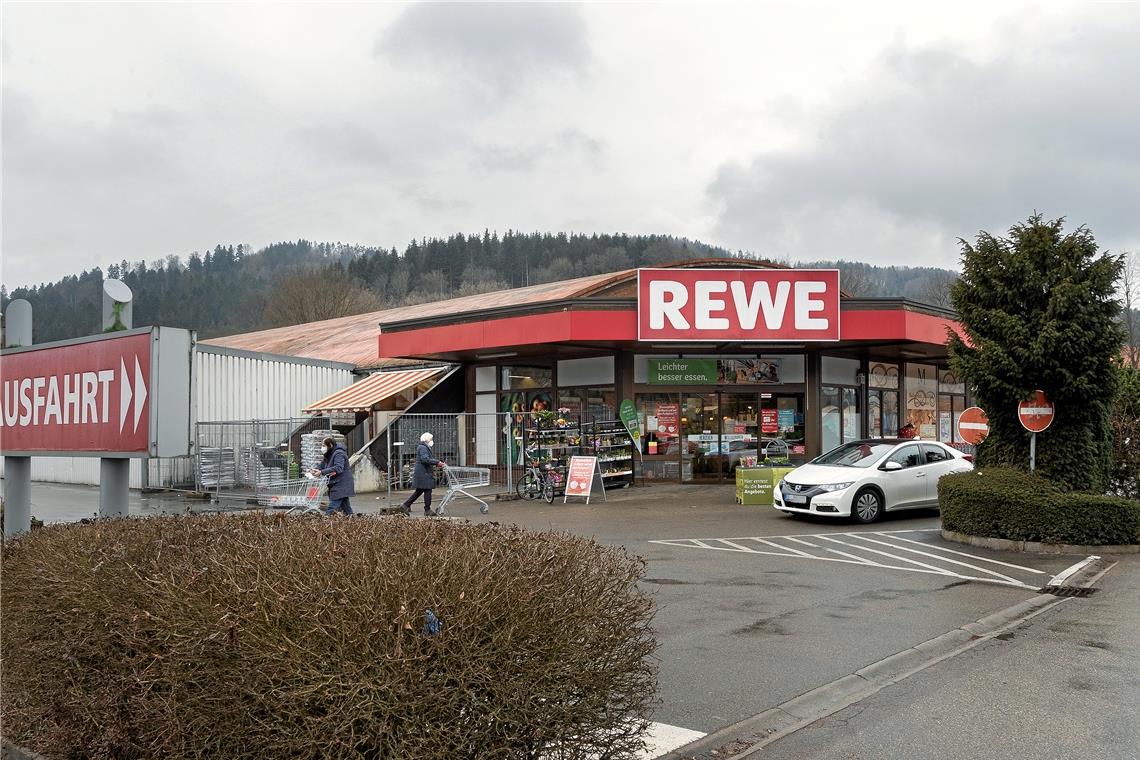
(973,425)
(1037,414)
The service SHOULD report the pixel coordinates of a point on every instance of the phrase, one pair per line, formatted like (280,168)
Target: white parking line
(856,547)
(662,738)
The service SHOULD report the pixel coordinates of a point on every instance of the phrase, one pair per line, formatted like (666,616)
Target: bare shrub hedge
(260,636)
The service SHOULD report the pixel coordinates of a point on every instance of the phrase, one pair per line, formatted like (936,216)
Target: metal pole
(17,495)
(114,487)
(388,440)
(17,470)
(1032,451)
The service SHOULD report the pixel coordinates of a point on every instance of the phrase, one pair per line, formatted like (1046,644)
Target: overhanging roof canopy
(362,396)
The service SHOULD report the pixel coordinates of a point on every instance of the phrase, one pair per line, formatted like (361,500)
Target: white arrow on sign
(140,392)
(126,393)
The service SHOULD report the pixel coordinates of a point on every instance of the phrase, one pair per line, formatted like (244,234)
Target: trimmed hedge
(262,636)
(1017,505)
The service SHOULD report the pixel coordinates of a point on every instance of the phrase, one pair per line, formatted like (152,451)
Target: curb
(753,734)
(1036,547)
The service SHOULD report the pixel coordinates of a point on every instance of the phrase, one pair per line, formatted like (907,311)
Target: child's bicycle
(537,481)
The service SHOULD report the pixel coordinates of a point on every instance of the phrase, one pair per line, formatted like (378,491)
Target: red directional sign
(97,396)
(1036,414)
(973,425)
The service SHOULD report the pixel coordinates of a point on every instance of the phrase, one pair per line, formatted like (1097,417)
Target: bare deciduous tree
(313,296)
(1130,297)
(936,291)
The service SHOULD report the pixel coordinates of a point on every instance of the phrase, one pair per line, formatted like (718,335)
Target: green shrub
(260,636)
(1013,504)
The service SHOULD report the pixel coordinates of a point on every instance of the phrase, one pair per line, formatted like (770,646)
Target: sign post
(973,425)
(1035,415)
(17,470)
(580,477)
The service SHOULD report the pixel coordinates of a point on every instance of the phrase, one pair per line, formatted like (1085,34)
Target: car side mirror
(892,466)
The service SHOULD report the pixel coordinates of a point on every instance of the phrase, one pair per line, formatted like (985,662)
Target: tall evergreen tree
(1039,311)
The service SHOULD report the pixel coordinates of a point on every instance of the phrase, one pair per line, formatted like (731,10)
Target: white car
(863,479)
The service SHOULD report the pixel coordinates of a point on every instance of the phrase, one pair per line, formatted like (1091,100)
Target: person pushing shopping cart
(335,466)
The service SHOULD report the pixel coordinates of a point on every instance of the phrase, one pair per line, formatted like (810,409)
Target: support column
(114,487)
(115,473)
(17,495)
(17,470)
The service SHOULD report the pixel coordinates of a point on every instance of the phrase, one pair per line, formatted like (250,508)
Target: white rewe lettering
(38,399)
(105,378)
(748,306)
(805,306)
(705,305)
(11,402)
(662,308)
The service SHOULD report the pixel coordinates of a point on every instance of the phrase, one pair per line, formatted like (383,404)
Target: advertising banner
(769,421)
(668,417)
(682,372)
(580,476)
(122,394)
(738,304)
(632,422)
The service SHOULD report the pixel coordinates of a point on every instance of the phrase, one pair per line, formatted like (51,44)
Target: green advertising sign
(682,372)
(632,422)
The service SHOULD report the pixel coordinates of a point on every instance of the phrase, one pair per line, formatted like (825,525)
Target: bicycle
(536,482)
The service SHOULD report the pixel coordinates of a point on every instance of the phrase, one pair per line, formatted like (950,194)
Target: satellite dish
(117,291)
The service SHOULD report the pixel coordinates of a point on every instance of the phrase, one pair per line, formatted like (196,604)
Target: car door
(906,488)
(939,462)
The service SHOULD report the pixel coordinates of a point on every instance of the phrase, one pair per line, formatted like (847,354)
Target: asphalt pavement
(754,607)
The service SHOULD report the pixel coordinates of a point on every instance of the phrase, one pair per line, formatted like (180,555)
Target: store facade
(726,361)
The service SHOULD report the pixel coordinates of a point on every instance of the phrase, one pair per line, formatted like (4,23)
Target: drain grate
(1069,591)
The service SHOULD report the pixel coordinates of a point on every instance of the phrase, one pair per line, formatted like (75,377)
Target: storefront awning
(362,396)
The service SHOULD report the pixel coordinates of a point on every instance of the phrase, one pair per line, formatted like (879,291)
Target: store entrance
(725,430)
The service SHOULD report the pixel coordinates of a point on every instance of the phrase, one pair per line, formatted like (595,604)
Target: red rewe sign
(84,397)
(738,304)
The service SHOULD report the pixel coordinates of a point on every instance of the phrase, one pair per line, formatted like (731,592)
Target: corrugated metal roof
(360,397)
(355,339)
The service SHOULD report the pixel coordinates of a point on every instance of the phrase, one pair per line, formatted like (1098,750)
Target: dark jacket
(335,465)
(424,474)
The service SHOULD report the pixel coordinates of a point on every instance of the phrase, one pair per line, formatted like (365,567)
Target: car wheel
(867,506)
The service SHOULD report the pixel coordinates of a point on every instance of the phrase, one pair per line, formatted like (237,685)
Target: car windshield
(854,455)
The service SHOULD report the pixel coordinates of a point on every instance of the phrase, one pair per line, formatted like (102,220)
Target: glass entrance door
(700,428)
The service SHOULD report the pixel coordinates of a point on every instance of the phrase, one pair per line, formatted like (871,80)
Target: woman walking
(341,486)
(423,477)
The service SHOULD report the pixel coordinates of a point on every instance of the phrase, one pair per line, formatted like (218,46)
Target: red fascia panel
(884,324)
(554,327)
(621,326)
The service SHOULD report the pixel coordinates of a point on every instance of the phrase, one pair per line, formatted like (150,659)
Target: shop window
(522,378)
(591,404)
(882,413)
(950,408)
(839,416)
(883,376)
(485,379)
(660,415)
(922,399)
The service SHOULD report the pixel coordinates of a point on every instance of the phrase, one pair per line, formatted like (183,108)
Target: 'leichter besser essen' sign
(123,394)
(738,304)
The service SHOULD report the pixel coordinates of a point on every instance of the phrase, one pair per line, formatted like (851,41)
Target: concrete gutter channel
(749,736)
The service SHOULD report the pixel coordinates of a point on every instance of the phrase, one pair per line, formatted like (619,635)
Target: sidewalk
(1065,685)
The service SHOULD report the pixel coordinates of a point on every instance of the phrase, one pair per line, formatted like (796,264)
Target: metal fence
(238,458)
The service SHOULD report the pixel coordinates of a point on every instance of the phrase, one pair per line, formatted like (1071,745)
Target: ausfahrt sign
(1036,414)
(125,394)
(973,425)
(738,304)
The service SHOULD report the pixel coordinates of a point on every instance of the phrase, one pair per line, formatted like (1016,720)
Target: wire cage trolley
(459,480)
(303,495)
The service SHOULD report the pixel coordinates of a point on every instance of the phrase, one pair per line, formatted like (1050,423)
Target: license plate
(795,498)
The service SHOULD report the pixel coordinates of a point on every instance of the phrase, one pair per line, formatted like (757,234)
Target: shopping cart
(303,495)
(459,479)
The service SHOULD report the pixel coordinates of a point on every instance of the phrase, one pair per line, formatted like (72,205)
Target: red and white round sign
(1037,414)
(973,425)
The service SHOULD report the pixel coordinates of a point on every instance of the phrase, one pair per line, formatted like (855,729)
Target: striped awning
(360,397)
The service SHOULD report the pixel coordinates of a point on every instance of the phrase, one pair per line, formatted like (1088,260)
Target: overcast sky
(865,131)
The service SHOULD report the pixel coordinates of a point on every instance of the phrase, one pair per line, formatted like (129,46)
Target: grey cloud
(497,45)
(344,143)
(936,147)
(524,158)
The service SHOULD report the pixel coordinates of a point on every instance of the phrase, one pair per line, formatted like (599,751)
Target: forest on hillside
(233,289)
